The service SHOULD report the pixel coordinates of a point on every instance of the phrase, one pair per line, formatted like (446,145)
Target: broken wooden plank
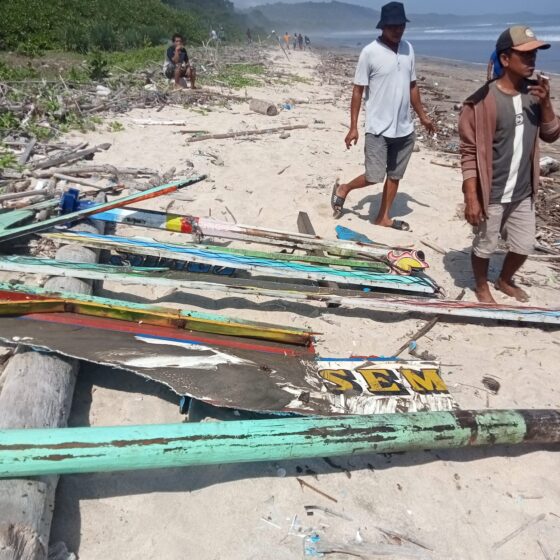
(119,448)
(22,160)
(304,225)
(80,214)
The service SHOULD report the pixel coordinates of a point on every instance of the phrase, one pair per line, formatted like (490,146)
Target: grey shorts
(515,222)
(387,156)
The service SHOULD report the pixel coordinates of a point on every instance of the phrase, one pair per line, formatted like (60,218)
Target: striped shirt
(517,122)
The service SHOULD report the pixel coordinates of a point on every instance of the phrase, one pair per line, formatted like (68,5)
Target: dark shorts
(387,156)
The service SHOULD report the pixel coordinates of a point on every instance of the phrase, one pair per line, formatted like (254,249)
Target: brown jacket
(477,124)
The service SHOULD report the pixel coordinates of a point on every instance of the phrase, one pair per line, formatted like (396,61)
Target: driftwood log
(37,393)
(246,133)
(263,107)
(68,158)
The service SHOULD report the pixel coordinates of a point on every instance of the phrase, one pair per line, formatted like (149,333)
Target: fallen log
(93,170)
(24,194)
(263,107)
(68,158)
(84,182)
(27,506)
(242,133)
(37,452)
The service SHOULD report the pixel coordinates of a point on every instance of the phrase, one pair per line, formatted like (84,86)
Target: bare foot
(484,295)
(512,290)
(386,222)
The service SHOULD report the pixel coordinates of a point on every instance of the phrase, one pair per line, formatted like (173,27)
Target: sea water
(468,43)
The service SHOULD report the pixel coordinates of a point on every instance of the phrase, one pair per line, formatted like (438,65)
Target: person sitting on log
(177,64)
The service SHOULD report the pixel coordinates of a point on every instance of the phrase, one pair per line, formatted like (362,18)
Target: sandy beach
(452,504)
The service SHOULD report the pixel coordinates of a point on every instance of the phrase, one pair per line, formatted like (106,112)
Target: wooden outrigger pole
(36,227)
(39,452)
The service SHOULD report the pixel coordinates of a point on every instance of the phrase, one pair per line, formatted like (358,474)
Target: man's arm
(416,103)
(177,56)
(473,207)
(355,106)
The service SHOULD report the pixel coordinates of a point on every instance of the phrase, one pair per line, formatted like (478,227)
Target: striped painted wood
(473,311)
(265,267)
(13,303)
(201,227)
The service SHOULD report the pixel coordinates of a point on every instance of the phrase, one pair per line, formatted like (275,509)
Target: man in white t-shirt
(386,70)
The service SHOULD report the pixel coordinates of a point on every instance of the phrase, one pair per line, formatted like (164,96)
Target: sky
(447,7)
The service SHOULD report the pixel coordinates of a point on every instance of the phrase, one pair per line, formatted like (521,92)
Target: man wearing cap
(500,126)
(386,70)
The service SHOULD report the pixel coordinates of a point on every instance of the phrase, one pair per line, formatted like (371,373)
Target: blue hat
(392,14)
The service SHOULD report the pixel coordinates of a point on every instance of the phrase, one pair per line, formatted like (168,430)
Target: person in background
(177,64)
(494,68)
(300,41)
(500,126)
(307,42)
(287,40)
(294,41)
(213,35)
(386,70)
(249,37)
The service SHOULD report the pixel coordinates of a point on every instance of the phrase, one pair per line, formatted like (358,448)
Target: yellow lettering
(342,379)
(425,380)
(382,381)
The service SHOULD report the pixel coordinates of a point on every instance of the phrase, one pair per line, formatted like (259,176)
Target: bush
(100,24)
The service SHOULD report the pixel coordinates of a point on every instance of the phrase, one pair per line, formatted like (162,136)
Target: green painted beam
(39,452)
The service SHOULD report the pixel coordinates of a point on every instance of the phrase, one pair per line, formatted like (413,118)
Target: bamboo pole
(119,448)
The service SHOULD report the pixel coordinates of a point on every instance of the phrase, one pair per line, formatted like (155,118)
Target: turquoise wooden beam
(41,452)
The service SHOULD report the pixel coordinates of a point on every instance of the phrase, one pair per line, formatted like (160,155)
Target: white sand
(457,503)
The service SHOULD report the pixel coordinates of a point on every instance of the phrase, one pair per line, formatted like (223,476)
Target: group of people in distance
(298,41)
(499,126)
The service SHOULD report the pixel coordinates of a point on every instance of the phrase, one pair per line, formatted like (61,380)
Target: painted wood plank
(264,267)
(15,304)
(472,311)
(94,209)
(120,448)
(201,227)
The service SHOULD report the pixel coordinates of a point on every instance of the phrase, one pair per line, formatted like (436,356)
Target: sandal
(401,225)
(337,202)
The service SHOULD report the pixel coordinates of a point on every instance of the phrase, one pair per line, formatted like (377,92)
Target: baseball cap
(519,38)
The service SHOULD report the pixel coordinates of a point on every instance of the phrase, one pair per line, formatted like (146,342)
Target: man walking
(386,70)
(500,126)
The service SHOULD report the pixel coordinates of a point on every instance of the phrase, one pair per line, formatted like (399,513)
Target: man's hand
(428,124)
(541,90)
(351,137)
(473,211)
